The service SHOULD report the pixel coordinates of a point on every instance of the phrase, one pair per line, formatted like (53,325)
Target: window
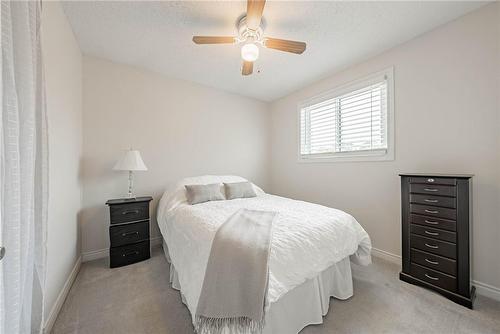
(353,122)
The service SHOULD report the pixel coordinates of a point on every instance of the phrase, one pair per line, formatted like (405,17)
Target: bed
(312,247)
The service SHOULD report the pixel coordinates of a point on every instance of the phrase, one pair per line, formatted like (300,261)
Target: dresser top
(455,176)
(129,200)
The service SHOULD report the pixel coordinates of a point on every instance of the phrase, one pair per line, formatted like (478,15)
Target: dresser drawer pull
(431,211)
(137,233)
(431,262)
(130,253)
(432,278)
(430,180)
(431,233)
(431,200)
(431,189)
(128,212)
(432,246)
(431,222)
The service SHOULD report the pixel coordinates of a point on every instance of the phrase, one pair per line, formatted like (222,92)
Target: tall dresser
(436,218)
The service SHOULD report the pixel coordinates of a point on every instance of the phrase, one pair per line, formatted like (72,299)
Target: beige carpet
(139,299)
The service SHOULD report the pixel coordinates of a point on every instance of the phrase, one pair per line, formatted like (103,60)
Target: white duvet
(307,238)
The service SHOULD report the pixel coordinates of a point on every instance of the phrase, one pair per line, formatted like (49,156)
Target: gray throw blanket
(236,279)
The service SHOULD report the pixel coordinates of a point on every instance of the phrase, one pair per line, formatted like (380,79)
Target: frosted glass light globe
(249,52)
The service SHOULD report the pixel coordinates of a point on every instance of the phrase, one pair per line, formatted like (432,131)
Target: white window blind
(354,121)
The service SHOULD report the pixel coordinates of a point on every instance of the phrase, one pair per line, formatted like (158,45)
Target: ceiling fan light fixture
(250,29)
(250,52)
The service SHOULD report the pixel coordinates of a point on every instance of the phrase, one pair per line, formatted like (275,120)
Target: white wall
(63,78)
(181,128)
(447,120)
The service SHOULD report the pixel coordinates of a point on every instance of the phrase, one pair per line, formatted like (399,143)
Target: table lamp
(131,162)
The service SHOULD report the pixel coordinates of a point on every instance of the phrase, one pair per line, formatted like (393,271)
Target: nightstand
(129,230)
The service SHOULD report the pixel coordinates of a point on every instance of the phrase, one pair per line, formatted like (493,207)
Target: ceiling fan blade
(214,39)
(247,68)
(285,45)
(254,13)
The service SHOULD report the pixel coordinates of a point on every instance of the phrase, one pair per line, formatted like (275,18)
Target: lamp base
(130,185)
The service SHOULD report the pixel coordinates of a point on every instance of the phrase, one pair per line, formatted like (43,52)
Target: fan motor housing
(246,34)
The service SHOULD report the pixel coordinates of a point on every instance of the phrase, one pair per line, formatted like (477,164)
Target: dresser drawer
(121,256)
(433,189)
(127,234)
(434,277)
(433,233)
(433,246)
(433,211)
(444,224)
(435,262)
(448,202)
(122,213)
(433,180)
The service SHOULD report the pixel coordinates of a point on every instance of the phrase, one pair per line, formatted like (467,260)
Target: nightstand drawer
(120,235)
(121,256)
(129,212)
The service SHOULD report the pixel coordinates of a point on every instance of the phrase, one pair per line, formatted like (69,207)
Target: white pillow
(201,193)
(239,190)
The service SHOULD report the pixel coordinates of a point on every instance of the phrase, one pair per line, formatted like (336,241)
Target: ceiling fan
(250,34)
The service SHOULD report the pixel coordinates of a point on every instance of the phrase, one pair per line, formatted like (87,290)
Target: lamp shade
(131,161)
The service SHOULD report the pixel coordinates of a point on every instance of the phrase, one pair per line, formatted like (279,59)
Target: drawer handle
(432,246)
(130,253)
(431,200)
(126,234)
(430,180)
(431,222)
(431,262)
(431,233)
(432,278)
(431,211)
(127,212)
(431,189)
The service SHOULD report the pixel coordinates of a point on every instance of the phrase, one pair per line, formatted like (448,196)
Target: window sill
(348,157)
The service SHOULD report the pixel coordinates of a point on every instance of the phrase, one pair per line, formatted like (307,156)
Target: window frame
(366,155)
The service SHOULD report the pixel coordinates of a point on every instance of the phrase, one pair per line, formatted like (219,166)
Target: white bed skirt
(302,306)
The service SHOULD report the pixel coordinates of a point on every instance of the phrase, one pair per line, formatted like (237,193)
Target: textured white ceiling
(157,36)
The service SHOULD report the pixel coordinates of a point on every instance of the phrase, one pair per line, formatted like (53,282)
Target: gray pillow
(239,190)
(200,193)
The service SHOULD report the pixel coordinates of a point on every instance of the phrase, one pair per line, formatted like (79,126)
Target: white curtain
(23,168)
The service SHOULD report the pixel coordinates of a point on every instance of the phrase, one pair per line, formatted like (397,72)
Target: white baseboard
(482,289)
(103,253)
(487,290)
(156,241)
(54,312)
(382,254)
(94,255)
